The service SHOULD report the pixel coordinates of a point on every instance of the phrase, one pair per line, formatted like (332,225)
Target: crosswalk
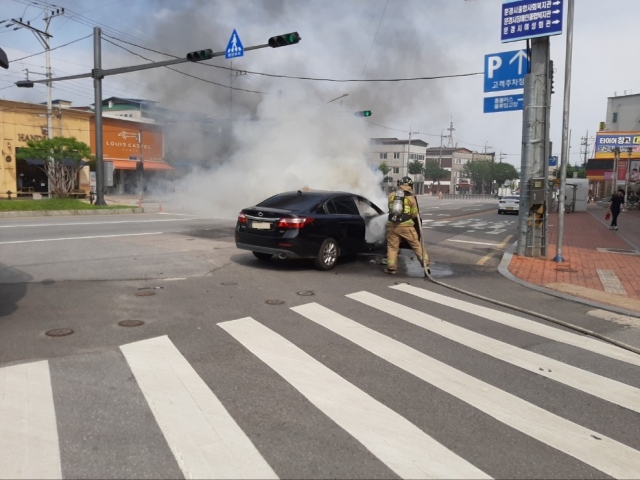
(209,433)
(470,225)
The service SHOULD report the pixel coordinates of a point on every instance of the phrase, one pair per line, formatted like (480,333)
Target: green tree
(479,172)
(384,168)
(415,167)
(582,172)
(62,159)
(434,172)
(501,172)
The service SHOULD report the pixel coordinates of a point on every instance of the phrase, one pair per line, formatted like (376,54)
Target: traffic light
(551,77)
(363,113)
(284,40)
(200,55)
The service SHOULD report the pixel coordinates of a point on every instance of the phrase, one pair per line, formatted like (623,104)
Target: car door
(351,225)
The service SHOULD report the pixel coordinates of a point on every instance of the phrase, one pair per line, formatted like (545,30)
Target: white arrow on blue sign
(234,48)
(505,70)
(523,19)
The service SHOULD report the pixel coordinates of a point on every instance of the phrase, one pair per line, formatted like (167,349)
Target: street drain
(59,332)
(131,323)
(146,293)
(622,251)
(567,270)
(307,293)
(274,302)
(229,283)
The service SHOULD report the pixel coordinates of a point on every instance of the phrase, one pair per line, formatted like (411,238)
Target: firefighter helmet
(406,181)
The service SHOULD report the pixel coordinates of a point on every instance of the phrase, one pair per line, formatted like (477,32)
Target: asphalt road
(249,369)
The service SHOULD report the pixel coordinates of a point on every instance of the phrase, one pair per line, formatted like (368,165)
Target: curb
(503,268)
(61,213)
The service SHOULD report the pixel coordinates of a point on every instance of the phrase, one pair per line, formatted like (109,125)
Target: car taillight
(242,218)
(294,222)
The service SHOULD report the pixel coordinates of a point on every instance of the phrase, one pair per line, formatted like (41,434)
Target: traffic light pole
(97,87)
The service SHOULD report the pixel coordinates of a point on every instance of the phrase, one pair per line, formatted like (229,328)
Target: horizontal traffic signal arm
(196,56)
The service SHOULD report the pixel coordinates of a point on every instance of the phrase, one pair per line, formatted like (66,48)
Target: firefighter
(403,217)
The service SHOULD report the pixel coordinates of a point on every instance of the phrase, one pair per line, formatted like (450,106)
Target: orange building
(125,142)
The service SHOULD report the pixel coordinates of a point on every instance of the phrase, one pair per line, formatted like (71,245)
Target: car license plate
(510,208)
(261,225)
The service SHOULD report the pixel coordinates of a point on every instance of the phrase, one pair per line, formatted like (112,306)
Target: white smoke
(295,142)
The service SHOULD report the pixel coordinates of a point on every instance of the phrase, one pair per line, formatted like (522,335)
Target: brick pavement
(589,271)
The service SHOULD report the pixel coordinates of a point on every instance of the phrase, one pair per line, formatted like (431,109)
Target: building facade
(623,113)
(398,154)
(601,170)
(23,122)
(125,143)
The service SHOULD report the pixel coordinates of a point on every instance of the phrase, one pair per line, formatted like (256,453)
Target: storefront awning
(131,165)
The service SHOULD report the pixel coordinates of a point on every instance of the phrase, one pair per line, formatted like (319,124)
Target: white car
(509,203)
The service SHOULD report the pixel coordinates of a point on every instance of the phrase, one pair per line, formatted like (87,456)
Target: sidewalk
(600,265)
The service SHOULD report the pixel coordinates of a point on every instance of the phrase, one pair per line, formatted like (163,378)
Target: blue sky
(346,39)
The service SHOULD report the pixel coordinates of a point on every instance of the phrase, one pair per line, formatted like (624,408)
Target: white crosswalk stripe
(208,440)
(514,321)
(398,443)
(596,385)
(204,438)
(28,431)
(592,448)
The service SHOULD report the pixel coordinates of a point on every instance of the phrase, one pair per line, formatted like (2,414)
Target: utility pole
(564,159)
(44,38)
(451,130)
(406,169)
(586,142)
(97,75)
(534,139)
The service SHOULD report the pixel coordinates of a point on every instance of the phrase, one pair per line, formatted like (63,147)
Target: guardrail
(464,196)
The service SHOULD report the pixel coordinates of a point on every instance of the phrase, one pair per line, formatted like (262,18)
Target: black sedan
(310,224)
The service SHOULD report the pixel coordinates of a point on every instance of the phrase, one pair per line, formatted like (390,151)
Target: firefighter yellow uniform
(403,226)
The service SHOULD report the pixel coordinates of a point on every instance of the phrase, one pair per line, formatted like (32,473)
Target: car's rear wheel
(262,256)
(328,254)
(499,212)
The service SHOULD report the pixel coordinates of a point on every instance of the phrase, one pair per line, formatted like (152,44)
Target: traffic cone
(160,207)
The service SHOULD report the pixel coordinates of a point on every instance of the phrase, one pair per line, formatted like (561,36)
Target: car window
(365,209)
(331,209)
(345,206)
(291,201)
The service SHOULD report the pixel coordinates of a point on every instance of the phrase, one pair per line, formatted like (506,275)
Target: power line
(184,73)
(51,50)
(316,79)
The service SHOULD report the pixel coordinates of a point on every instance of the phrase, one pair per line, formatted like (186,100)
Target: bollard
(9,192)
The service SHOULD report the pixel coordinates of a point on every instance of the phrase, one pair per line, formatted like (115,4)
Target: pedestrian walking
(403,211)
(615,205)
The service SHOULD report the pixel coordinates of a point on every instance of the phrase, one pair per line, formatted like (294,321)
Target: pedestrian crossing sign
(234,48)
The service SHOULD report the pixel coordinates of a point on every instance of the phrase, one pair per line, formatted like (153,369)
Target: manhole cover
(229,283)
(306,293)
(131,323)
(146,293)
(274,302)
(59,332)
